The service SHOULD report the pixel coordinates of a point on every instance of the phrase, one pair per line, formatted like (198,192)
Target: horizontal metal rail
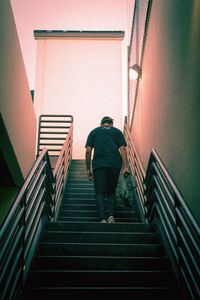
(163,204)
(52,132)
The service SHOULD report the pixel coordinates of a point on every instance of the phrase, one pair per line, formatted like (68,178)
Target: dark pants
(105,184)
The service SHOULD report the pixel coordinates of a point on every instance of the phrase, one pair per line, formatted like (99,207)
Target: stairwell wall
(166,115)
(16,108)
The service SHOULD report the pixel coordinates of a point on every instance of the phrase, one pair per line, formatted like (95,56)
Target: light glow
(135,72)
(133,75)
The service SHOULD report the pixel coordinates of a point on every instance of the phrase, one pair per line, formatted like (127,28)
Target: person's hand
(89,175)
(126,171)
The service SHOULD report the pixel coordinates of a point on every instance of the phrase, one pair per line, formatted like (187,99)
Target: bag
(127,189)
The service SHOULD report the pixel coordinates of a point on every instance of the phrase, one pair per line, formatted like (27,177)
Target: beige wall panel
(80,77)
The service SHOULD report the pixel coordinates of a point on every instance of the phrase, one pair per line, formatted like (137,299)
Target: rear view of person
(109,158)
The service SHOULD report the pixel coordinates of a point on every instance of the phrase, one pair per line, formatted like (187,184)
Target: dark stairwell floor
(78,256)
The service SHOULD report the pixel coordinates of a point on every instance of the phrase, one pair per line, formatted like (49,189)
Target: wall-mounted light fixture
(135,72)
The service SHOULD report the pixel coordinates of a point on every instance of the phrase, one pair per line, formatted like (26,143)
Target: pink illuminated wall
(166,114)
(96,15)
(81,77)
(67,15)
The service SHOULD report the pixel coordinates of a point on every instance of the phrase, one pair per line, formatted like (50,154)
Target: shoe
(103,221)
(111,219)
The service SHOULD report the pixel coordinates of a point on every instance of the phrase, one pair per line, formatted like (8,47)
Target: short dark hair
(106,119)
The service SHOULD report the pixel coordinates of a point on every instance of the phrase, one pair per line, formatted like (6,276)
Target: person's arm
(88,155)
(124,159)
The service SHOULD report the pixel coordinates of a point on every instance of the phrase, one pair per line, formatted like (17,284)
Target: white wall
(81,77)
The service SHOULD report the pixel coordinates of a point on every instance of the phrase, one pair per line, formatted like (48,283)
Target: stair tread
(103,257)
(101,262)
(102,232)
(105,271)
(101,244)
(102,287)
(94,219)
(139,293)
(94,226)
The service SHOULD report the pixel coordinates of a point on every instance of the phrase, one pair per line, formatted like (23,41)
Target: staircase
(77,256)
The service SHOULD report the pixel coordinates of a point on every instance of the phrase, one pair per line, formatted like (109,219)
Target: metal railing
(163,204)
(36,203)
(61,169)
(136,169)
(177,225)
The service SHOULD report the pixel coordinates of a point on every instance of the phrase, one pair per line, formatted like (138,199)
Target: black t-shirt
(106,142)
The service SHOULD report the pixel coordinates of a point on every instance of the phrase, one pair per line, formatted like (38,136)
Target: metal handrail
(136,169)
(61,169)
(32,206)
(37,202)
(163,204)
(176,223)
